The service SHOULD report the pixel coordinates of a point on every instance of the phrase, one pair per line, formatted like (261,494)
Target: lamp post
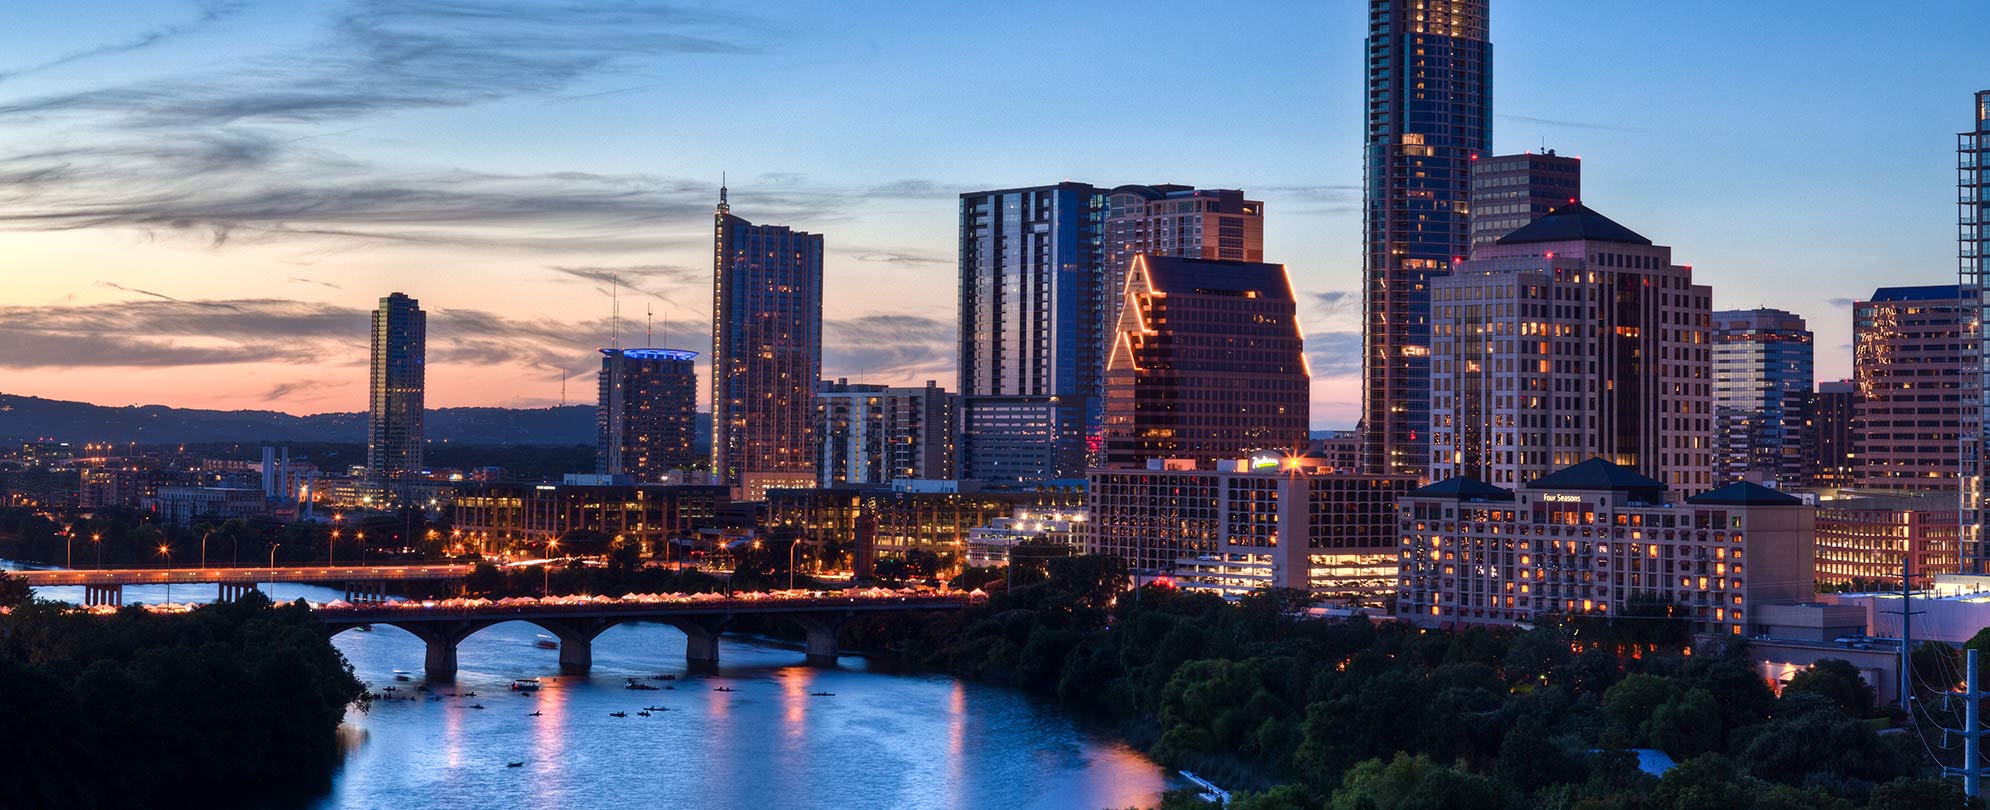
(361,537)
(272,570)
(546,588)
(68,555)
(203,548)
(167,552)
(792,545)
(97,539)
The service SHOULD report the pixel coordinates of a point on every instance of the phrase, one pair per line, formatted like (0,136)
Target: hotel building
(1908,363)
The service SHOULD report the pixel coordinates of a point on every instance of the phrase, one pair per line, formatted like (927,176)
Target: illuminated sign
(652,354)
(1556,497)
(1266,461)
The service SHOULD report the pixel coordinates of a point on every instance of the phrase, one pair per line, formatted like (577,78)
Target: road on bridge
(243,576)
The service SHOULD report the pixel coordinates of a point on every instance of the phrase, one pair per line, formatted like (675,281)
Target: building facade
(1032,331)
(1429,83)
(1173,220)
(1272,520)
(490,517)
(645,419)
(1764,368)
(396,393)
(1207,363)
(1973,262)
(860,526)
(877,434)
(1600,539)
(1864,540)
(1834,458)
(766,349)
(1571,338)
(1509,191)
(1908,365)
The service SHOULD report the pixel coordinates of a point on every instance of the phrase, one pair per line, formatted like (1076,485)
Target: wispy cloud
(1334,354)
(210,14)
(904,257)
(1566,124)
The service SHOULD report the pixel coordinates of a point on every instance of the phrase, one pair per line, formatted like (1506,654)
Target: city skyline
(220,246)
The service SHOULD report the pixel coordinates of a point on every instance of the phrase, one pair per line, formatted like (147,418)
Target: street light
(361,537)
(167,552)
(97,539)
(203,548)
(272,570)
(546,588)
(792,545)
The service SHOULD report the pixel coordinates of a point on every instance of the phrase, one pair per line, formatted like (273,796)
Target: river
(881,739)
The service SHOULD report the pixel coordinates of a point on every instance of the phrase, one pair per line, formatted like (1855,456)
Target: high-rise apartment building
(877,434)
(1272,520)
(643,419)
(1509,191)
(1764,368)
(396,393)
(1908,360)
(1172,220)
(1595,539)
(1429,81)
(1834,462)
(1032,332)
(1207,363)
(1973,262)
(1570,338)
(766,351)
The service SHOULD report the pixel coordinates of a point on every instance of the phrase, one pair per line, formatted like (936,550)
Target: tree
(1411,783)
(1908,793)
(1535,653)
(1686,725)
(1633,700)
(1839,680)
(14,591)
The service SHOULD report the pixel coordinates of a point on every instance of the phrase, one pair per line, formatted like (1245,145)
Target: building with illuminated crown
(1600,539)
(766,351)
(1909,364)
(647,406)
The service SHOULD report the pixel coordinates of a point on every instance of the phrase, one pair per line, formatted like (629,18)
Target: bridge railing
(640,603)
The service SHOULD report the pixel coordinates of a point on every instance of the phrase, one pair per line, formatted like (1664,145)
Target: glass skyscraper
(396,392)
(1032,326)
(1973,249)
(766,351)
(1764,368)
(1429,113)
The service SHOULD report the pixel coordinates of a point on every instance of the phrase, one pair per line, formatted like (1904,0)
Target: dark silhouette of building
(1207,363)
(1429,81)
(396,393)
(1509,191)
(1833,410)
(766,352)
(648,404)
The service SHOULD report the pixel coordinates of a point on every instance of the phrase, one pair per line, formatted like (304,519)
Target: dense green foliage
(1318,713)
(230,705)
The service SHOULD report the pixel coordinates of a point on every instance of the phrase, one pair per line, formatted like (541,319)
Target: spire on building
(724,207)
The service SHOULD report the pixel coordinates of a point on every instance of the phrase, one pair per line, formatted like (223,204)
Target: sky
(200,201)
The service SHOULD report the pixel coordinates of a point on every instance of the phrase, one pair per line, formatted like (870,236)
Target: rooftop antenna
(563,388)
(724,207)
(615,312)
(649,324)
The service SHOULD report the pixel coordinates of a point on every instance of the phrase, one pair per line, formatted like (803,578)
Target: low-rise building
(873,523)
(996,542)
(181,506)
(1595,539)
(1863,539)
(1270,521)
(496,515)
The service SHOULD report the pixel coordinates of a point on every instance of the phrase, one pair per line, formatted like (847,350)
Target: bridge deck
(244,576)
(414,612)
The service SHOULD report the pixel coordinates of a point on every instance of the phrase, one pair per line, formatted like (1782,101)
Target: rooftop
(1572,223)
(1745,493)
(1597,475)
(1930,292)
(1176,274)
(1463,488)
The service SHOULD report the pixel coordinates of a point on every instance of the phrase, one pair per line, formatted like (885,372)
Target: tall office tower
(877,434)
(1509,191)
(1429,112)
(1570,338)
(1973,254)
(766,352)
(1763,372)
(1833,441)
(1170,220)
(1207,363)
(400,374)
(1032,332)
(1908,362)
(643,424)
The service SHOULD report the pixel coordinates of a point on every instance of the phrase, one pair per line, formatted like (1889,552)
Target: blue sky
(198,201)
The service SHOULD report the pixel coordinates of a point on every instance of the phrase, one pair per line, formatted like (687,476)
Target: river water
(881,740)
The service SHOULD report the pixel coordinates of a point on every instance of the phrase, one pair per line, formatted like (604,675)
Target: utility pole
(1907,612)
(1971,732)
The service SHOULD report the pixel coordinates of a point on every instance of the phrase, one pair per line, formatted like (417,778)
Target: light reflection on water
(882,740)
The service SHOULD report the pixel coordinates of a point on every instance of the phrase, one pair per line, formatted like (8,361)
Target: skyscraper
(1032,288)
(877,434)
(1207,363)
(1171,220)
(1570,338)
(396,392)
(648,401)
(1973,257)
(1509,191)
(1832,413)
(766,352)
(1908,361)
(1763,373)
(1429,112)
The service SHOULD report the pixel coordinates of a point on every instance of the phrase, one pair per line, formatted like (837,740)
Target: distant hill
(24,417)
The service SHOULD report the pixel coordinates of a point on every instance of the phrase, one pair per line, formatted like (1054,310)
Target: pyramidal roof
(1572,223)
(1463,488)
(1598,475)
(1745,493)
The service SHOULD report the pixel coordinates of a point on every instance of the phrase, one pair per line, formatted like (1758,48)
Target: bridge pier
(440,640)
(366,593)
(103,595)
(822,632)
(229,592)
(576,641)
(701,638)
